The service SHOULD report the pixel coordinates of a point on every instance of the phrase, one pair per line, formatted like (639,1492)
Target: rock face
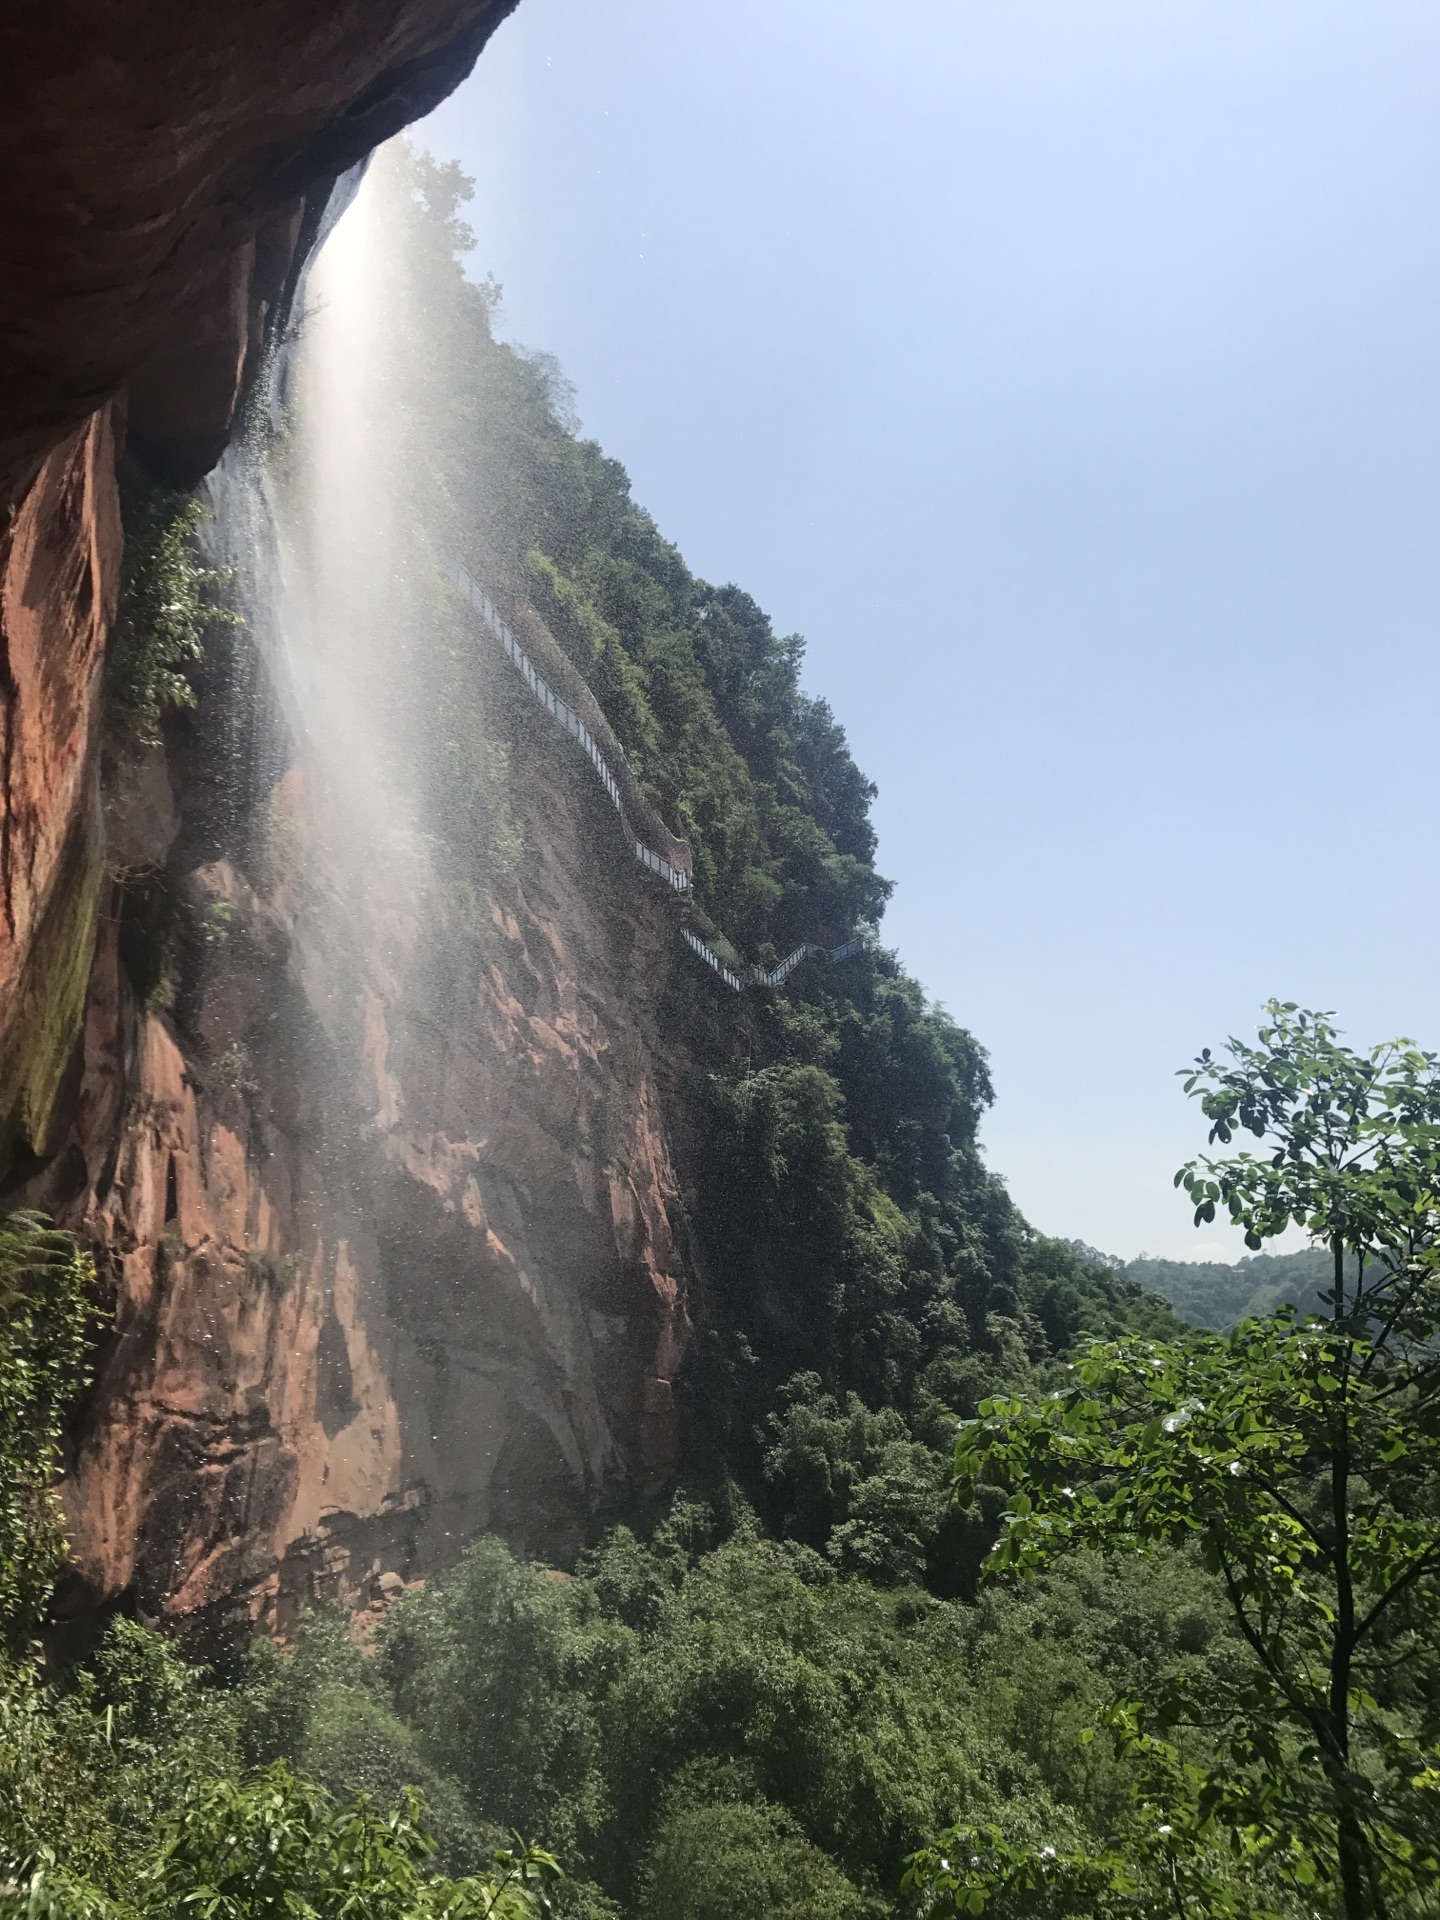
(384,1194)
(164,165)
(158,158)
(375,1169)
(57,595)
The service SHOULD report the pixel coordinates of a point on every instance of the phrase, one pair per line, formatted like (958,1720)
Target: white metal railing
(712,959)
(754,976)
(572,723)
(657,863)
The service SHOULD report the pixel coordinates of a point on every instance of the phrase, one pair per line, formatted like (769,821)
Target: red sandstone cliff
(384,1197)
(385,1205)
(59,576)
(160,164)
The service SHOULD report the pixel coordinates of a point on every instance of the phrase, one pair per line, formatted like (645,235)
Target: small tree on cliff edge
(1304,1458)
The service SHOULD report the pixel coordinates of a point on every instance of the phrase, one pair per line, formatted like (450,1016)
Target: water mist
(377,1146)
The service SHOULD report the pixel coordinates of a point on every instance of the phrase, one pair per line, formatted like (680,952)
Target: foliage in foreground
(1303,1460)
(124,1792)
(280,1846)
(124,1795)
(710,1693)
(274,1847)
(1201,1681)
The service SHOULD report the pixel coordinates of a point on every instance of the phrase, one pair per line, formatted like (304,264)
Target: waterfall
(347,589)
(301,521)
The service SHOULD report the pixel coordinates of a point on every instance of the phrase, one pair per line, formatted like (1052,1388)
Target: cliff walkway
(654,846)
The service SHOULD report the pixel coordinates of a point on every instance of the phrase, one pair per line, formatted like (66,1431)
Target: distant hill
(1210,1294)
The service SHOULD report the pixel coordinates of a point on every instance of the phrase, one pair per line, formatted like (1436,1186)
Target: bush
(280,1847)
(497,1674)
(46,1300)
(713,1862)
(167,605)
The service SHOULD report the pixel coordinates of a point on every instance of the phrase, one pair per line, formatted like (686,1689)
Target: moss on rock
(41,1046)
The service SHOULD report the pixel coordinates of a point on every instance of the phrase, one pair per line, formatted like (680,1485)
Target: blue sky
(1068,373)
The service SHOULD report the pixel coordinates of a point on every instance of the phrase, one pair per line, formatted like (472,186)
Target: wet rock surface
(165,167)
(381,1179)
(385,1197)
(59,575)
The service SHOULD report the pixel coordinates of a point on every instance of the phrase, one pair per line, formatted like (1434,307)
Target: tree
(714,1860)
(275,1845)
(167,606)
(278,1845)
(46,1299)
(1302,1461)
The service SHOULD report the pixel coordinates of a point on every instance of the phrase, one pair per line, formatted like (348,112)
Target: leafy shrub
(496,1674)
(167,605)
(46,1300)
(280,1847)
(854,1484)
(93,1761)
(682,1701)
(713,1861)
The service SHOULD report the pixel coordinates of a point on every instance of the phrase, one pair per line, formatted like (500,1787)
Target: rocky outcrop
(164,166)
(374,1165)
(57,596)
(381,1186)
(158,158)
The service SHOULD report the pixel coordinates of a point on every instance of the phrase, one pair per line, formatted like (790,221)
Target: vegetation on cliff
(875,1613)
(46,1300)
(476,441)
(125,1792)
(168,603)
(855,1241)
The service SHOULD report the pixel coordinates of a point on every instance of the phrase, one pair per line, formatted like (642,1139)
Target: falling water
(349,596)
(304,518)
(337,525)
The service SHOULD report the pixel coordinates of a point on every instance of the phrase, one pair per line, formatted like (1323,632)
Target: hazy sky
(1068,372)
